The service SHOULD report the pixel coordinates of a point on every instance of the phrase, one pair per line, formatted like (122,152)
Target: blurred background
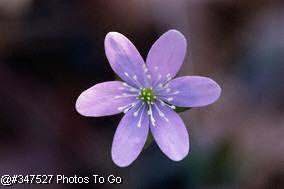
(52,50)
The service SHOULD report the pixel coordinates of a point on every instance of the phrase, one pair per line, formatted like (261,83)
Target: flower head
(148,96)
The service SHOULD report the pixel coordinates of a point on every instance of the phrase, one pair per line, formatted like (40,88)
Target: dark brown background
(52,50)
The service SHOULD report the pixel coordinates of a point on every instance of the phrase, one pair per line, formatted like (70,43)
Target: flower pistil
(147,95)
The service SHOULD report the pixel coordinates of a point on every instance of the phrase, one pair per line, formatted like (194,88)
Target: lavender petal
(102,99)
(166,56)
(191,91)
(125,59)
(170,133)
(129,139)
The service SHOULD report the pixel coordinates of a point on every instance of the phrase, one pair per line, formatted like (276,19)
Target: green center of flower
(147,95)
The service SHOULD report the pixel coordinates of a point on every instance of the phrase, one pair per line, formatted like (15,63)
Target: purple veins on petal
(130,136)
(170,134)
(191,91)
(102,99)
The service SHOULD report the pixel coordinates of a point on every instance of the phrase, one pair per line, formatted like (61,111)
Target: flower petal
(129,139)
(170,133)
(166,56)
(191,91)
(101,99)
(125,59)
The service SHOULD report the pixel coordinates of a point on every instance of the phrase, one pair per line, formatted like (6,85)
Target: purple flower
(148,96)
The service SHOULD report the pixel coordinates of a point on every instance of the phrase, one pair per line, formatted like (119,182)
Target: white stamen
(149,76)
(167,80)
(150,113)
(135,77)
(161,113)
(135,114)
(165,104)
(140,118)
(170,99)
(125,84)
(134,90)
(168,94)
(127,107)
(123,107)
(162,103)
(125,95)
(162,83)
(171,106)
